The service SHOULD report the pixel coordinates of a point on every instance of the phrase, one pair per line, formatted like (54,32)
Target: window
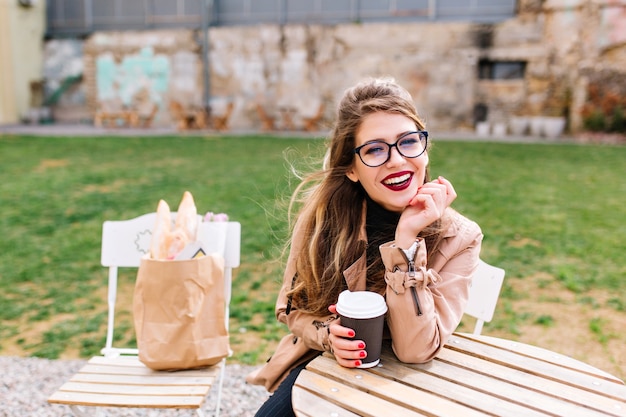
(501,70)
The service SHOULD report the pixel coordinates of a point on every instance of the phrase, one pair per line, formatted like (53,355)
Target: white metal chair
(484,293)
(118,378)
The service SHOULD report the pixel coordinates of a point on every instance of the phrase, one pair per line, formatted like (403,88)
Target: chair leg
(478,328)
(219,388)
(79,412)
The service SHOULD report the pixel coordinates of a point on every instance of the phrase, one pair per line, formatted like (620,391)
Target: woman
(371,219)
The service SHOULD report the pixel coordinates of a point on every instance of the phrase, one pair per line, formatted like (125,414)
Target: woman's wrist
(404,242)
(406,233)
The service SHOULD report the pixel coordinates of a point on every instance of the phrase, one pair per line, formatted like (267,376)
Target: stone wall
(63,72)
(129,69)
(564,43)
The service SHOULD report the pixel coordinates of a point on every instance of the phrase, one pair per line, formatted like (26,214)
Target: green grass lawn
(556,210)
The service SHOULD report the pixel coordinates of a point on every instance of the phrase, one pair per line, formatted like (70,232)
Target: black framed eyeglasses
(378,152)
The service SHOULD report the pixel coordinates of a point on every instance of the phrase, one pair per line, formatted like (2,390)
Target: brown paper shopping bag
(178,310)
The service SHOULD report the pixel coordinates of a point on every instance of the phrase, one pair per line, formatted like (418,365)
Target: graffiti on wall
(142,76)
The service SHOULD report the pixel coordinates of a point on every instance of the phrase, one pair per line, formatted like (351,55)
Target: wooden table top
(471,376)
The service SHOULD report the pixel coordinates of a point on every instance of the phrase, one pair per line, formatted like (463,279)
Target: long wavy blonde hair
(330,207)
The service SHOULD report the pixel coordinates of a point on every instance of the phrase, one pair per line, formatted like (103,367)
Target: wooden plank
(126,389)
(405,396)
(307,404)
(448,388)
(504,390)
(144,371)
(116,400)
(549,387)
(142,380)
(539,353)
(350,398)
(539,368)
(117,360)
(133,361)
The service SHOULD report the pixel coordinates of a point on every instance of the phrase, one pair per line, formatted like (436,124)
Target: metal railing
(82,17)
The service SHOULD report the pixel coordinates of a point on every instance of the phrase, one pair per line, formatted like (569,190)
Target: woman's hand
(348,353)
(425,207)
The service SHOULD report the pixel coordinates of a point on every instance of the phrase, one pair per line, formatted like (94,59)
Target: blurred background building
(494,66)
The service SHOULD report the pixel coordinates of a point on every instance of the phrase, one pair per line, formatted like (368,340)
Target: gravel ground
(26,384)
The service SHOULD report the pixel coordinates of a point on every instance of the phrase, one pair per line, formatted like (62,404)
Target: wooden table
(471,376)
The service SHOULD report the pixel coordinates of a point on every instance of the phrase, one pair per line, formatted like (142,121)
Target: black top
(380,226)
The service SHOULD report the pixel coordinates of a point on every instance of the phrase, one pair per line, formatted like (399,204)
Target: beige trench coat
(441,292)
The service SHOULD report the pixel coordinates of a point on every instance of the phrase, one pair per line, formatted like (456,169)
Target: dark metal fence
(82,17)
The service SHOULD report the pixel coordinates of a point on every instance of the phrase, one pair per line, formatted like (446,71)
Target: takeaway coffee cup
(364,312)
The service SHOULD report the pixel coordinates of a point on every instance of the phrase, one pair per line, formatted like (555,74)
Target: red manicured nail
(362,353)
(357,363)
(351,333)
(361,345)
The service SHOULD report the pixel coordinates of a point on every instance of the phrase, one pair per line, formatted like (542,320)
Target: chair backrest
(484,293)
(125,242)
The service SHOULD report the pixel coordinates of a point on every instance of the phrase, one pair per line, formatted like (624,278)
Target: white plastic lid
(361,304)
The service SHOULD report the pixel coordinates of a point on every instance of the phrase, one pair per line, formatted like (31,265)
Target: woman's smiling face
(394,183)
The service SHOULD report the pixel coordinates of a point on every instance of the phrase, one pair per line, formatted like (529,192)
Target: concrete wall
(63,72)
(565,43)
(132,68)
(21,61)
